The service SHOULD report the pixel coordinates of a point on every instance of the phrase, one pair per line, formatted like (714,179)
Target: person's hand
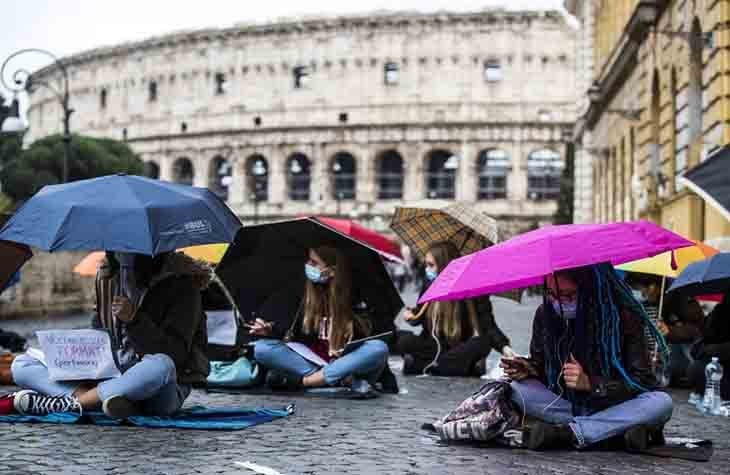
(260,328)
(574,376)
(409,315)
(663,328)
(515,369)
(122,309)
(508,352)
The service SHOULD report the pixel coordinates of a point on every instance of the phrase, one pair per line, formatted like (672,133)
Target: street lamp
(258,170)
(22,80)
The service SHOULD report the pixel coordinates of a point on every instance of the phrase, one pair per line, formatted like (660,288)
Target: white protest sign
(222,328)
(78,354)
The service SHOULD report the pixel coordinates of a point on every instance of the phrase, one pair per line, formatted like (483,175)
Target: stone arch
(492,167)
(298,177)
(343,172)
(257,178)
(151,169)
(544,170)
(220,176)
(389,175)
(183,171)
(694,91)
(441,167)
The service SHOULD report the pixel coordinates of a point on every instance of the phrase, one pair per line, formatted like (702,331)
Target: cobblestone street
(338,436)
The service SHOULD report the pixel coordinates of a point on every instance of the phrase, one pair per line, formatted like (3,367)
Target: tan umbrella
(468,229)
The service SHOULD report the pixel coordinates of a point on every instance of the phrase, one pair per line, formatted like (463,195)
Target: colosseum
(346,116)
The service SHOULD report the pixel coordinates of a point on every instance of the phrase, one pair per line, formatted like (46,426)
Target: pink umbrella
(526,259)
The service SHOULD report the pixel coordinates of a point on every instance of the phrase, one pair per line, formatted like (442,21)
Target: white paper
(73,355)
(306,353)
(222,327)
(260,469)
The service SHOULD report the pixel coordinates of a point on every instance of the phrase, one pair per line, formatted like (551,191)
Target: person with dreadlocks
(588,377)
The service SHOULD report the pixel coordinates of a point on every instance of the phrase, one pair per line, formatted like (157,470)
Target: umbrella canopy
(459,223)
(711,180)
(12,258)
(269,257)
(211,253)
(661,264)
(386,246)
(526,259)
(88,266)
(121,213)
(705,277)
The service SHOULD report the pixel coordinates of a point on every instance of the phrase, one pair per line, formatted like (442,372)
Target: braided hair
(601,293)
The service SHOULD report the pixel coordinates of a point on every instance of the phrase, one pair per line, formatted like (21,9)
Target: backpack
(484,416)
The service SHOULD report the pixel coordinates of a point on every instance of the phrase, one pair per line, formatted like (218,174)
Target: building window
(301,77)
(124,134)
(299,177)
(694,92)
(544,169)
(257,121)
(343,117)
(492,71)
(103,98)
(493,165)
(182,171)
(391,74)
(544,115)
(257,178)
(220,84)
(390,176)
(184,127)
(151,170)
(441,166)
(152,91)
(220,177)
(343,176)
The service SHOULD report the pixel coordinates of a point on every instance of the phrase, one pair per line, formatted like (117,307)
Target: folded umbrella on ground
(527,259)
(121,213)
(710,276)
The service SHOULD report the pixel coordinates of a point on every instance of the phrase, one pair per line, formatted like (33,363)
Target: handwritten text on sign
(78,354)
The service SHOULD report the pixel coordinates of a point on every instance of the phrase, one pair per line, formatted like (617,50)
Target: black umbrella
(267,258)
(711,180)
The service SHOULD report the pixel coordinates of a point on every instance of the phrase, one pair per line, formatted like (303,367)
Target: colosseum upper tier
(346,116)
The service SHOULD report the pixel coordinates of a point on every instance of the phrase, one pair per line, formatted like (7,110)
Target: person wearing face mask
(151,307)
(456,336)
(325,319)
(588,376)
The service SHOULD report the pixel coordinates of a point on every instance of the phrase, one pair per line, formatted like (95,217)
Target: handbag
(240,373)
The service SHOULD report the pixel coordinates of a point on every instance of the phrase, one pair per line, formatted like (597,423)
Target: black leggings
(457,360)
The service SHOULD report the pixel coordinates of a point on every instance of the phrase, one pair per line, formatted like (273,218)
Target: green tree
(24,172)
(564,213)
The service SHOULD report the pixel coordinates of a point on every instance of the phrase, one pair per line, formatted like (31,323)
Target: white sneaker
(29,402)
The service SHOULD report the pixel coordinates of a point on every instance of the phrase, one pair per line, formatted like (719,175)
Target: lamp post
(22,80)
(258,170)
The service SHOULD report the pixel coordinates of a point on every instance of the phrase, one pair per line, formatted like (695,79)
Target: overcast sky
(69,26)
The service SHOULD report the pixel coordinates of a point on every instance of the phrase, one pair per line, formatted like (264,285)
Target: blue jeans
(366,362)
(651,408)
(152,382)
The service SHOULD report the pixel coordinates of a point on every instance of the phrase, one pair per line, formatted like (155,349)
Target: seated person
(456,336)
(152,310)
(325,321)
(588,377)
(715,341)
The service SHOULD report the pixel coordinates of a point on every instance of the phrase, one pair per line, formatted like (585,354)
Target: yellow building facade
(658,105)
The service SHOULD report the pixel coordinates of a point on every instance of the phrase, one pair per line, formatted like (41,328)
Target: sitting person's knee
(166,367)
(377,347)
(19,369)
(262,349)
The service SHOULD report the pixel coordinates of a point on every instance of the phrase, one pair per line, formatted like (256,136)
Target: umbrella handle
(420,313)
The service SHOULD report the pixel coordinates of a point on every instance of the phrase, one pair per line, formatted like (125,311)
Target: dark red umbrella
(381,243)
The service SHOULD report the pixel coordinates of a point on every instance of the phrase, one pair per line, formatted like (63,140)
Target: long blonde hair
(332,299)
(446,317)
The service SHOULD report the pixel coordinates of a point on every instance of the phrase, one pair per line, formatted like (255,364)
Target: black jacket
(716,334)
(605,392)
(488,328)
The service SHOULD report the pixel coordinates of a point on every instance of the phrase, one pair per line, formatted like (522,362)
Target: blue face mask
(431,275)
(314,274)
(570,309)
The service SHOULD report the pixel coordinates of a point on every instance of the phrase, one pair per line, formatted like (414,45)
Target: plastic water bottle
(711,402)
(695,399)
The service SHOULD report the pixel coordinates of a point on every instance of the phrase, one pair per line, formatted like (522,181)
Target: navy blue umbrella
(121,213)
(709,276)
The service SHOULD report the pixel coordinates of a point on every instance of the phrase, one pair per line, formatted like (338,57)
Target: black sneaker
(543,436)
(641,437)
(388,382)
(31,403)
(279,381)
(119,407)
